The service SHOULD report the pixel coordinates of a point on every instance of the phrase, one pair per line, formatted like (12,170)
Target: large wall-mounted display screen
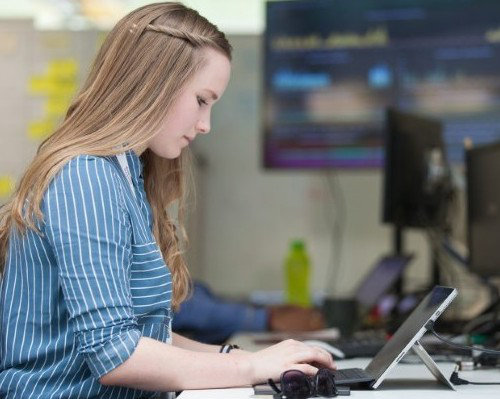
(332,67)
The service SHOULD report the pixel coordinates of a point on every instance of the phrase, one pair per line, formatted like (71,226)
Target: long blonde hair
(139,71)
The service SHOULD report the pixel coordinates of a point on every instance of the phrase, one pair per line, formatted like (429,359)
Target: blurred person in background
(209,318)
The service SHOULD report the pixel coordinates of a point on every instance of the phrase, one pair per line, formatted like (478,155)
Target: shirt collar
(135,165)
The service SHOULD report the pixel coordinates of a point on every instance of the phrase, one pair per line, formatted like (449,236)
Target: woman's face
(190,114)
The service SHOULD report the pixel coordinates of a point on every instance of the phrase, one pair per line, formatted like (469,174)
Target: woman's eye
(202,101)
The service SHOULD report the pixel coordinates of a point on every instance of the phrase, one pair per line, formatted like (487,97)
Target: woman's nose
(203,125)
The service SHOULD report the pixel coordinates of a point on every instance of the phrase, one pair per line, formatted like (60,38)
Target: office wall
(245,216)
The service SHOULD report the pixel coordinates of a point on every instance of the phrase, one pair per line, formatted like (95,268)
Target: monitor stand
(398,249)
(431,365)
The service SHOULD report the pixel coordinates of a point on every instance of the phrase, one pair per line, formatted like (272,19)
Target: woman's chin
(168,153)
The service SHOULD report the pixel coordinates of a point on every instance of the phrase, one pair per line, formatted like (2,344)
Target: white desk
(406,381)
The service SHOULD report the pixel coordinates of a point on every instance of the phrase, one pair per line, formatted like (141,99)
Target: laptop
(382,276)
(405,338)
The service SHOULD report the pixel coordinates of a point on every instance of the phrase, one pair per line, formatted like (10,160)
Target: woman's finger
(305,368)
(313,355)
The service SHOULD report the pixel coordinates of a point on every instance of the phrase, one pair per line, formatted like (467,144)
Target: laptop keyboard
(355,347)
(366,344)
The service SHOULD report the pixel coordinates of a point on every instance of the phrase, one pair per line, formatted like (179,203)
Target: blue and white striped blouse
(75,300)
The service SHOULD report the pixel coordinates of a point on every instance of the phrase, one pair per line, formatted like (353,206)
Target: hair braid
(194,39)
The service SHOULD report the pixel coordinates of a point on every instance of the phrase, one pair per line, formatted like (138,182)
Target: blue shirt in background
(210,319)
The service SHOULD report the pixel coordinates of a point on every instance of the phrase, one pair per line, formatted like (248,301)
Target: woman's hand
(289,354)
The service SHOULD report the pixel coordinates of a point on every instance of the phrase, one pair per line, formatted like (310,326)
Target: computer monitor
(331,67)
(483,210)
(417,183)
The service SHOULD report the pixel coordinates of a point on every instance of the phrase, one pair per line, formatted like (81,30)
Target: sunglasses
(297,385)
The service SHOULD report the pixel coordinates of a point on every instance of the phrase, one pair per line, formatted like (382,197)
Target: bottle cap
(298,244)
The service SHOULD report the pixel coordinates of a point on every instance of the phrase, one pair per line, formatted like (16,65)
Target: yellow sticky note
(7,184)
(63,88)
(62,69)
(57,106)
(38,130)
(39,85)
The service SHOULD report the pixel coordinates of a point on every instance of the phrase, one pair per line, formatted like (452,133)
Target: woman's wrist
(240,352)
(244,365)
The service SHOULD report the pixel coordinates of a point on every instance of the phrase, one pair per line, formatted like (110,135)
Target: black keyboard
(369,345)
(362,345)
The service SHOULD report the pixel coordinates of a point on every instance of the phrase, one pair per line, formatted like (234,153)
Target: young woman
(90,259)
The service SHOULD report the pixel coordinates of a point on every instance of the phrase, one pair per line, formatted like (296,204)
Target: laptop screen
(380,279)
(411,330)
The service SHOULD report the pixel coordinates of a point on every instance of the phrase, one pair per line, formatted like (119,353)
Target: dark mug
(343,314)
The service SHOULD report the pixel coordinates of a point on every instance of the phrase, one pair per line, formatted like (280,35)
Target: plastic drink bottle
(297,274)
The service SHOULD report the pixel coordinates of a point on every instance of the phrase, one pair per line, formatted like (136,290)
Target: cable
(333,264)
(335,271)
(430,327)
(480,324)
(456,380)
